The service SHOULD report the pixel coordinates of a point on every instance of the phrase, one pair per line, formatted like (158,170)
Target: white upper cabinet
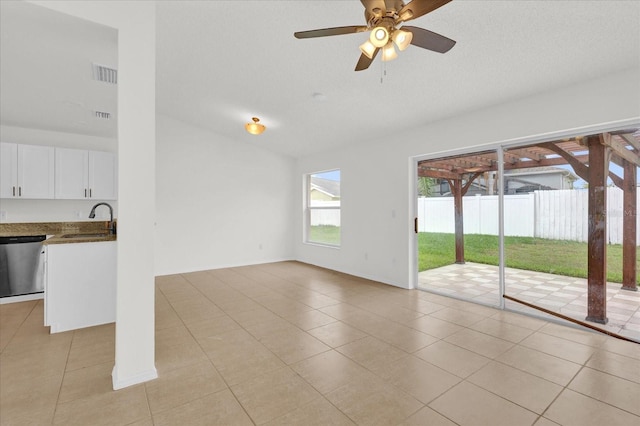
(72,174)
(102,175)
(8,170)
(27,171)
(82,174)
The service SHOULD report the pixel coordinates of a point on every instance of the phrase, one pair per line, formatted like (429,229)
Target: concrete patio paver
(565,295)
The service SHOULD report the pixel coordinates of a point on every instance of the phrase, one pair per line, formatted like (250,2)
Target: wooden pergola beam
(629,227)
(597,243)
(467,185)
(580,169)
(635,143)
(438,174)
(620,148)
(456,190)
(484,160)
(546,162)
(617,180)
(525,153)
(451,174)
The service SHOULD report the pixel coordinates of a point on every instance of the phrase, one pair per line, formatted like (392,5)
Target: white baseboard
(120,383)
(23,298)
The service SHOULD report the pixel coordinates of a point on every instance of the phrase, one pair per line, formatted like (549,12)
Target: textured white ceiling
(221,62)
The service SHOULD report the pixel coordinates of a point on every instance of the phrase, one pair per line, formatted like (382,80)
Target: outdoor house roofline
(326,186)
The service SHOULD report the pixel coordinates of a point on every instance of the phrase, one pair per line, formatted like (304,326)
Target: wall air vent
(103,115)
(106,74)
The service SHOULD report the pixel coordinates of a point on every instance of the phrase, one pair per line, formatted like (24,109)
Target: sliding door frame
(499,147)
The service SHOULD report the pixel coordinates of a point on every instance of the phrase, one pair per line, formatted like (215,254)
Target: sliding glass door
(549,228)
(458,226)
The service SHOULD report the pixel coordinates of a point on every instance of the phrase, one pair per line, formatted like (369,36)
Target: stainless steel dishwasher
(21,265)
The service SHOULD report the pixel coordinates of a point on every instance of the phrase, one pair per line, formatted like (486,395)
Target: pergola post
(456,189)
(597,244)
(629,187)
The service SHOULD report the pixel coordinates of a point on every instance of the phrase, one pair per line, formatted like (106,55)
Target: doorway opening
(548,228)
(458,226)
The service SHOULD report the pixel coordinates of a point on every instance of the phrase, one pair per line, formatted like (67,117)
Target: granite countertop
(63,232)
(80,238)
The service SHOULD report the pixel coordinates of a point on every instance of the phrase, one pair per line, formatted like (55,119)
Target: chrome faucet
(112,227)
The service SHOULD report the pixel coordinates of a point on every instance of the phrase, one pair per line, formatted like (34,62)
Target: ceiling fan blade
(364,61)
(429,40)
(324,32)
(418,8)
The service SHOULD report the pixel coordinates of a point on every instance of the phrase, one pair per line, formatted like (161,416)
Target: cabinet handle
(14,191)
(85,193)
(90,196)
(19,191)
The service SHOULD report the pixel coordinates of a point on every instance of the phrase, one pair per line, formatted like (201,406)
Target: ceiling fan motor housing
(391,10)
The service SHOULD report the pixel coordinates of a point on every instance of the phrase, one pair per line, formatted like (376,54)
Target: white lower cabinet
(80,285)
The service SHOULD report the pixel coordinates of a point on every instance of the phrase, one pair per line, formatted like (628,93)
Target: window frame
(309,208)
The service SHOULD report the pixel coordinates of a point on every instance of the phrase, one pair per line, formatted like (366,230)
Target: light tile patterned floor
(565,295)
(292,344)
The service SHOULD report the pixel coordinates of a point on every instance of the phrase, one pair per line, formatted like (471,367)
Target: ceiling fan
(384,18)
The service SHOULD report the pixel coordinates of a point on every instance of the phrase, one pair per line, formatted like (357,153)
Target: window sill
(313,243)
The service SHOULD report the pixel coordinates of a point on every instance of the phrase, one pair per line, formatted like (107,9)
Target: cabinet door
(8,170)
(102,175)
(72,174)
(81,285)
(35,171)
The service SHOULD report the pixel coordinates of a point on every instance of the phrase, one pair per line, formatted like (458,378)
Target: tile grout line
(228,387)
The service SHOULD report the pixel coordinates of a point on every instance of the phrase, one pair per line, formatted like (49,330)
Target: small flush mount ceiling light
(379,36)
(255,128)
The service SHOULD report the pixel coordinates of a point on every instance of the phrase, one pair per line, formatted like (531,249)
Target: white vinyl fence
(558,215)
(324,213)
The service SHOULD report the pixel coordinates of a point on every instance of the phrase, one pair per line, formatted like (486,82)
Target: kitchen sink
(100,235)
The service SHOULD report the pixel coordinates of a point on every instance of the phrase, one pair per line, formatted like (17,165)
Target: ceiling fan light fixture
(379,36)
(255,128)
(368,49)
(389,52)
(402,39)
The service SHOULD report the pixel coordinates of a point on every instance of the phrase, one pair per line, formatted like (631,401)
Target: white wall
(54,210)
(379,244)
(219,202)
(135,22)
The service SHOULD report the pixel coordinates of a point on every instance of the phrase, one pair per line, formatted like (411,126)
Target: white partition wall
(135,22)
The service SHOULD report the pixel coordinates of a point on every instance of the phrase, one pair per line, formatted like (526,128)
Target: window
(323,208)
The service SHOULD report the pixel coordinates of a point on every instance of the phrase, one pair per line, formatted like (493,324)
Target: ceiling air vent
(106,74)
(103,115)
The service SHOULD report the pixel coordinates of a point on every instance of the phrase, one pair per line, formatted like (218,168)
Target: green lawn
(325,234)
(535,254)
